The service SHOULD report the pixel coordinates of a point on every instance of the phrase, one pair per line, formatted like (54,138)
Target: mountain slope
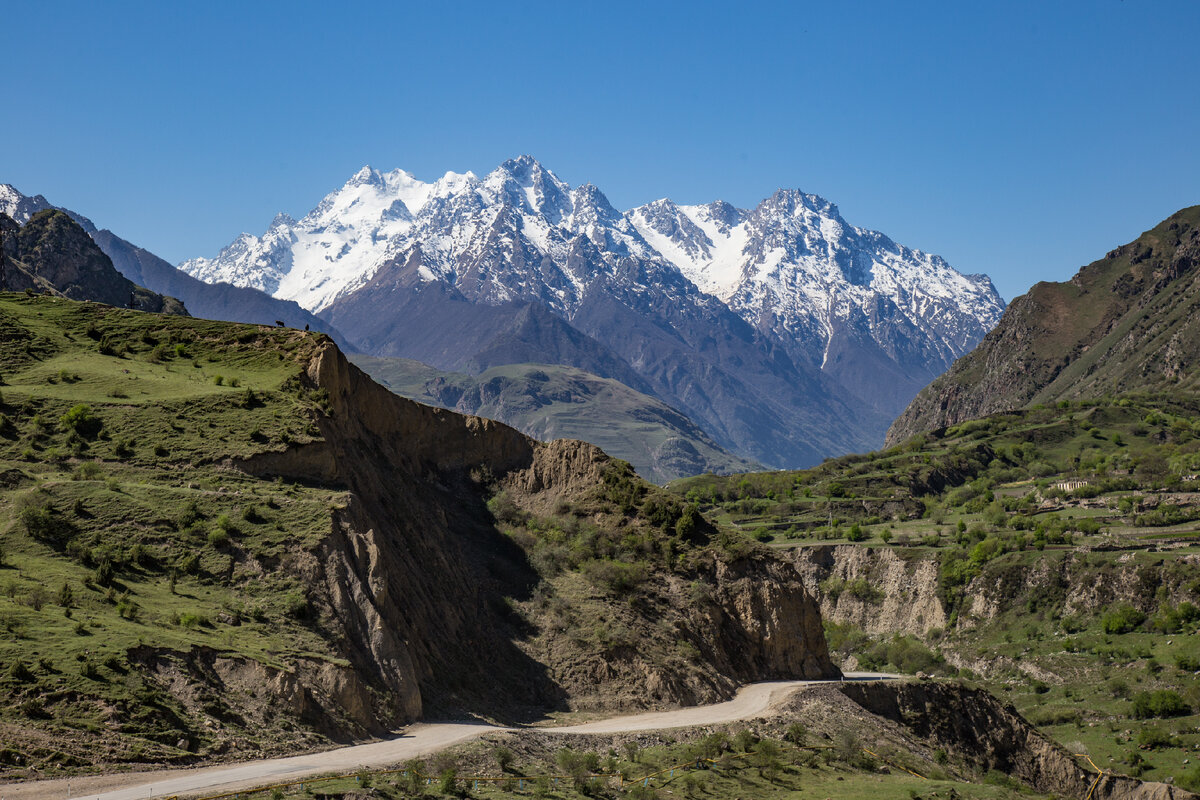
(784,333)
(881,318)
(221,301)
(1127,322)
(53,253)
(551,402)
(225,540)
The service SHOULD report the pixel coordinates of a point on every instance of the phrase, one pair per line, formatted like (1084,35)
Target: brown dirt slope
(1128,322)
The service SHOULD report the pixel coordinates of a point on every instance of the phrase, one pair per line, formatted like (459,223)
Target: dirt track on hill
(416,741)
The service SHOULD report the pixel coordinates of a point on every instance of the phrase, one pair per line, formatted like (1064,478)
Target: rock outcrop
(973,725)
(422,583)
(52,253)
(902,596)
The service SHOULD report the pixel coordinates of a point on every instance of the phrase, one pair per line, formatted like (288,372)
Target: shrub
(19,672)
(615,576)
(1160,703)
(82,421)
(297,605)
(744,740)
(105,573)
(448,781)
(88,471)
(1187,663)
(1154,738)
(1122,619)
(43,523)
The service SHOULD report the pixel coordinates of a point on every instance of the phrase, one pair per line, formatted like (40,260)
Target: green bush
(1122,619)
(82,421)
(43,523)
(616,577)
(1154,738)
(1159,704)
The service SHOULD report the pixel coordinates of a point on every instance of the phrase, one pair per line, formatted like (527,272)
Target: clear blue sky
(1017,139)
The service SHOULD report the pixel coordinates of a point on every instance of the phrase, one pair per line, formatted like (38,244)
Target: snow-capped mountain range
(858,318)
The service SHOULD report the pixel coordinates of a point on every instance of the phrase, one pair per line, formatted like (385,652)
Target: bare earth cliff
(428,594)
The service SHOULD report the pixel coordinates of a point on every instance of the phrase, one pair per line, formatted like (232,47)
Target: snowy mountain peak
(366,176)
(21,207)
(791,265)
(281,220)
(591,208)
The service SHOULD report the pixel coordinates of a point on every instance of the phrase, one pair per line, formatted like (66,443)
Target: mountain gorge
(786,334)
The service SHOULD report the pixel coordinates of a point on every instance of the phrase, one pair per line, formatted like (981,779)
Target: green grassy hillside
(1053,554)
(223,541)
(120,537)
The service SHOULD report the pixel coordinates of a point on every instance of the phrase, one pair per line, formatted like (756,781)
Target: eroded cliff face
(420,591)
(884,591)
(901,593)
(973,725)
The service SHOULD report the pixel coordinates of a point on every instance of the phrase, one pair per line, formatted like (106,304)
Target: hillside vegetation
(224,540)
(1052,553)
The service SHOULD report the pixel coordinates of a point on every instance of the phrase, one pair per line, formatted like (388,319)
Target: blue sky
(1017,139)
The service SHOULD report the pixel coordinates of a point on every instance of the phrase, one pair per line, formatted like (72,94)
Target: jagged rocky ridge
(784,332)
(1125,323)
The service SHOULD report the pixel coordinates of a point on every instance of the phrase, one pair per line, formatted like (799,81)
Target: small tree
(82,421)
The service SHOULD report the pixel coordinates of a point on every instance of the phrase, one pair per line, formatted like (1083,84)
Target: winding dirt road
(419,740)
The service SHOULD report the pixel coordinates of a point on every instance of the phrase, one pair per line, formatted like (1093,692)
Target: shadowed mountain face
(221,301)
(782,331)
(1128,322)
(52,252)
